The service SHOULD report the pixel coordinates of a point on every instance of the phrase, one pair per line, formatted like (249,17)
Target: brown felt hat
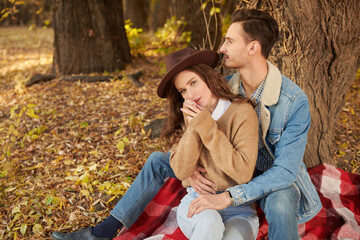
(182,59)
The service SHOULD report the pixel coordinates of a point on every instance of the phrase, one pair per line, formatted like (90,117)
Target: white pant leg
(231,223)
(241,229)
(241,222)
(207,225)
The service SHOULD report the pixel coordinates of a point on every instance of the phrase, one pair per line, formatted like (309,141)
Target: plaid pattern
(264,160)
(339,218)
(159,217)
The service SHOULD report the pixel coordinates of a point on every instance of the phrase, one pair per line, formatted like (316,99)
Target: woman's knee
(207,224)
(239,228)
(209,221)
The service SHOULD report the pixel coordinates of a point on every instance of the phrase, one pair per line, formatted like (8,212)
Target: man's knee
(280,210)
(157,159)
(282,204)
(158,162)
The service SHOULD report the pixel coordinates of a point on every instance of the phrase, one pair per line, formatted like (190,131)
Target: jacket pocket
(273,137)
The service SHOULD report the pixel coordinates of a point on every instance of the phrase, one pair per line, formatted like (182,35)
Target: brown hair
(259,26)
(218,86)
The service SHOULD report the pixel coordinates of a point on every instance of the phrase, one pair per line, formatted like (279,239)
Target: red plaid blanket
(338,219)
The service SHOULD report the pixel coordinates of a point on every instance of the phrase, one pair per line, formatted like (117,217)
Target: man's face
(236,47)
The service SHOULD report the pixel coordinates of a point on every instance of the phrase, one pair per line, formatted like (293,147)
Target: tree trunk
(159,13)
(319,49)
(89,36)
(228,7)
(202,36)
(137,11)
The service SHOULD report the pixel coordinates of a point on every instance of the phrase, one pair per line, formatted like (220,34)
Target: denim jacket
(285,121)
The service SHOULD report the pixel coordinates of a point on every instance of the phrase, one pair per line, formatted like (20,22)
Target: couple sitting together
(234,142)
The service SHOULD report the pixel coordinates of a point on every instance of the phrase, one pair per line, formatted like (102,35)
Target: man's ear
(254,48)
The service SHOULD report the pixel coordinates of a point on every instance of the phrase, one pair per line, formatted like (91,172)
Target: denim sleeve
(289,152)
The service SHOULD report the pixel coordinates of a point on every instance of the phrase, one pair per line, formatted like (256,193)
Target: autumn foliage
(70,150)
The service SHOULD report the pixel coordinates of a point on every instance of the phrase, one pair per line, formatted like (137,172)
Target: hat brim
(207,57)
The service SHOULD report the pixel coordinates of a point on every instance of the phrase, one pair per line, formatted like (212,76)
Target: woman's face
(191,87)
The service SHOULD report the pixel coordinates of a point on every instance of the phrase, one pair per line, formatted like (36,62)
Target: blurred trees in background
(148,15)
(202,18)
(27,12)
(89,36)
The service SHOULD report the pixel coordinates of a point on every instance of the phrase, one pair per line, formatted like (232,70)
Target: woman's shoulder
(244,105)
(242,111)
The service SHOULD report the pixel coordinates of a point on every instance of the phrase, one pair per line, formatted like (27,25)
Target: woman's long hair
(173,127)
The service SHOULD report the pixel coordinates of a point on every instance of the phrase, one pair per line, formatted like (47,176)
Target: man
(281,184)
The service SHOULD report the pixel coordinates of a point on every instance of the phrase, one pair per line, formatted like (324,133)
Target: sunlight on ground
(23,53)
(25,62)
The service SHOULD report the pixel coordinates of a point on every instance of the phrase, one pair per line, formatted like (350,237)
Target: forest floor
(69,150)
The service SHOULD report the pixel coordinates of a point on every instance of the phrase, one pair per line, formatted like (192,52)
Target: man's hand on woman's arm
(200,184)
(207,199)
(215,201)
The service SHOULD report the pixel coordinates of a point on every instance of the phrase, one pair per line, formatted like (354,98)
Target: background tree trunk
(137,11)
(319,49)
(159,14)
(190,11)
(89,36)
(228,7)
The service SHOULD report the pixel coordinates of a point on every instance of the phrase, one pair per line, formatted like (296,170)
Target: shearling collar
(271,92)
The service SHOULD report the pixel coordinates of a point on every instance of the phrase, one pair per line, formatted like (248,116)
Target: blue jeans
(144,188)
(240,222)
(279,206)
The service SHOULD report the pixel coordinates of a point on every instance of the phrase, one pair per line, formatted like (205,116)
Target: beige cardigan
(226,148)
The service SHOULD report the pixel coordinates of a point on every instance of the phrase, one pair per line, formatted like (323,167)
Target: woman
(210,127)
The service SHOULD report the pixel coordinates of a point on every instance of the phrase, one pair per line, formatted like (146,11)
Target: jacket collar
(271,93)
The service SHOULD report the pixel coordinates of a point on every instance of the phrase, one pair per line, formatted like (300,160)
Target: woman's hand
(200,184)
(191,109)
(215,201)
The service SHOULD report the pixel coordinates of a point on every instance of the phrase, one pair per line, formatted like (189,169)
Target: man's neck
(252,76)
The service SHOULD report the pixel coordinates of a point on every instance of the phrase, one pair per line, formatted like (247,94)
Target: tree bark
(89,37)
(319,49)
(137,11)
(159,13)
(228,7)
(202,36)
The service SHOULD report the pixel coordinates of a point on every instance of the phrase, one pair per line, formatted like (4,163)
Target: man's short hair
(259,26)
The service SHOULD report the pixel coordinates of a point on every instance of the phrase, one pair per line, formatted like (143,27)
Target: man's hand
(216,202)
(200,184)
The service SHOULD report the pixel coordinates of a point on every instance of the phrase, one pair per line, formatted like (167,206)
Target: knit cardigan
(226,148)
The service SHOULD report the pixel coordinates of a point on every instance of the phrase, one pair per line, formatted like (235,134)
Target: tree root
(37,78)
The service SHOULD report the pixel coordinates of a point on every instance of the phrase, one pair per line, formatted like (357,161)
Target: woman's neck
(211,107)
